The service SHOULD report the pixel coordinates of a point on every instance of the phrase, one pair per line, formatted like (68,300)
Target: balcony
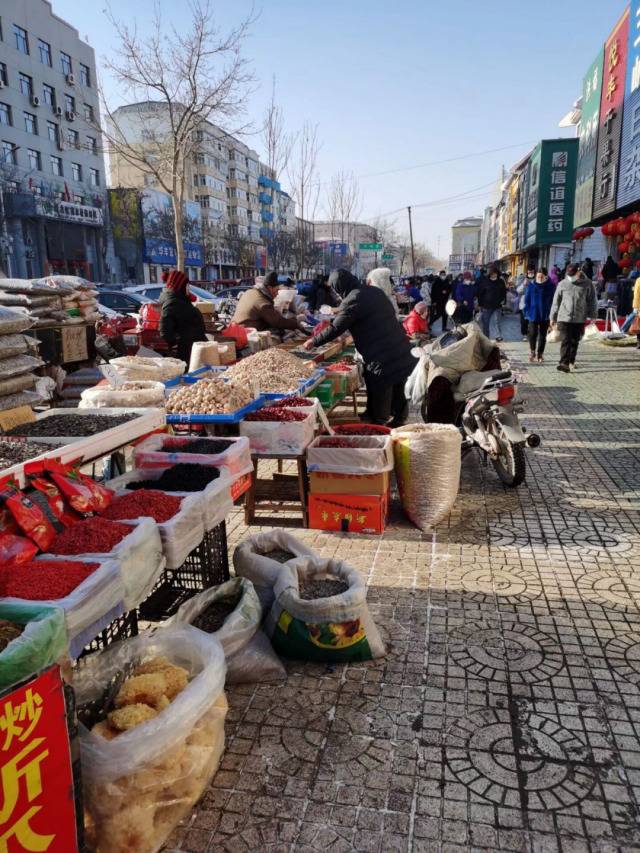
(266,233)
(265,198)
(264,181)
(267,216)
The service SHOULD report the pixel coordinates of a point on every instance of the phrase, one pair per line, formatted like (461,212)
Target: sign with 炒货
(588,145)
(629,169)
(38,810)
(610,130)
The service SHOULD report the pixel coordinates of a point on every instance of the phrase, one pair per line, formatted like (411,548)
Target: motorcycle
(486,413)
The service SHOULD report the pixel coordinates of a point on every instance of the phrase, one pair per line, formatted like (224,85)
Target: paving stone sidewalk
(506,714)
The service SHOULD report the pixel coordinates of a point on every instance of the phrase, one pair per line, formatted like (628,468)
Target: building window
(92,145)
(34,159)
(26,85)
(44,49)
(31,124)
(65,63)
(85,75)
(94,177)
(22,39)
(76,171)
(9,153)
(49,94)
(5,115)
(56,165)
(88,113)
(69,104)
(73,138)
(3,73)
(52,131)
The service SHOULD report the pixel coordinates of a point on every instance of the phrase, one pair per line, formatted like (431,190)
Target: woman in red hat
(181,323)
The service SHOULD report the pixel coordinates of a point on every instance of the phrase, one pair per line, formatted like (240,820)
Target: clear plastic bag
(42,643)
(247,650)
(134,367)
(128,395)
(427,462)
(13,321)
(336,629)
(365,455)
(150,454)
(139,785)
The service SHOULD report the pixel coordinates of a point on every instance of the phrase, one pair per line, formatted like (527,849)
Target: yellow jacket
(636,295)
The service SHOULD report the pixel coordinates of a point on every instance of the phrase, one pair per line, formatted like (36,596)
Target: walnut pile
(273,370)
(208,397)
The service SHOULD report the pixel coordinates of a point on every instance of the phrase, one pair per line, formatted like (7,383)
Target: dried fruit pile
(365,429)
(335,442)
(293,402)
(15,452)
(152,688)
(320,588)
(271,413)
(208,397)
(92,536)
(214,617)
(273,370)
(8,631)
(182,477)
(148,502)
(207,446)
(44,580)
(75,425)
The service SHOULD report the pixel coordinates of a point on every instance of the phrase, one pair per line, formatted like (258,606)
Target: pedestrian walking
(492,293)
(440,292)
(521,290)
(635,324)
(538,299)
(554,275)
(465,294)
(574,302)
(587,268)
(181,324)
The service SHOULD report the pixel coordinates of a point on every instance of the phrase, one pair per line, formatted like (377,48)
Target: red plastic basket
(361,429)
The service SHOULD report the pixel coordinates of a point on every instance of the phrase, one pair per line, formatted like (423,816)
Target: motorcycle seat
(473,380)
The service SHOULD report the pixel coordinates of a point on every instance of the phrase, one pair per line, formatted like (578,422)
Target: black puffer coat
(180,323)
(368,315)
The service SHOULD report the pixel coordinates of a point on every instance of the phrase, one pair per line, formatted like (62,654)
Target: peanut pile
(273,370)
(208,397)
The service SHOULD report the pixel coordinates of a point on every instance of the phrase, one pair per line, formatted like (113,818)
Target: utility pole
(413,254)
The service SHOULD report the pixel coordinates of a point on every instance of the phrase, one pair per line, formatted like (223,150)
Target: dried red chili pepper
(150,502)
(44,580)
(95,535)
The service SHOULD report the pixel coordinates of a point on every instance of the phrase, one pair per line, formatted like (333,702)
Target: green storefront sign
(551,184)
(387,257)
(370,247)
(588,141)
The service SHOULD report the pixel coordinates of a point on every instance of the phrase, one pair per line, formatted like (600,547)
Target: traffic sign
(370,247)
(387,257)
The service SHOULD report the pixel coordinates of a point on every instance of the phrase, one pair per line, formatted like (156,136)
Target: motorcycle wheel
(510,465)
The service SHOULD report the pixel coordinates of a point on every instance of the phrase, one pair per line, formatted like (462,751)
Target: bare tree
(343,204)
(303,178)
(277,145)
(191,75)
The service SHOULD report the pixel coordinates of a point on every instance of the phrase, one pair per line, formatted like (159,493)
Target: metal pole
(413,254)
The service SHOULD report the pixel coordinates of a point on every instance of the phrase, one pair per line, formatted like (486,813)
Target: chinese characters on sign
(611,107)
(629,179)
(557,192)
(37,812)
(591,94)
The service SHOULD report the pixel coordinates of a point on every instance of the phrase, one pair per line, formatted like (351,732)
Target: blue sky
(400,83)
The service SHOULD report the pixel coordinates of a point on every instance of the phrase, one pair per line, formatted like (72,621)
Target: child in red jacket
(415,325)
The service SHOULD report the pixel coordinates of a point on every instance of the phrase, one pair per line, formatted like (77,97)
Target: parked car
(124,302)
(153,291)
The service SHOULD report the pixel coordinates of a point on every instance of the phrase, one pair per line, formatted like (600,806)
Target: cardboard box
(349,513)
(321,483)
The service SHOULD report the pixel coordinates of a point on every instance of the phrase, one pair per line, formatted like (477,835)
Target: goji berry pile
(335,442)
(209,446)
(150,502)
(44,580)
(272,413)
(182,477)
(292,402)
(95,535)
(362,430)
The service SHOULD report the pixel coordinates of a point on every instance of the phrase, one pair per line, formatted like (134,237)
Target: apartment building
(240,202)
(52,173)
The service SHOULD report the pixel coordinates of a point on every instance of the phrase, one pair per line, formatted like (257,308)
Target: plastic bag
(139,785)
(415,389)
(41,644)
(150,453)
(592,333)
(247,650)
(16,384)
(15,549)
(251,560)
(11,345)
(554,336)
(427,461)
(279,436)
(22,398)
(138,394)
(365,455)
(134,367)
(18,364)
(30,286)
(335,629)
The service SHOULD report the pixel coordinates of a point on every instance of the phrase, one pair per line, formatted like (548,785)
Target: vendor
(367,313)
(256,309)
(181,323)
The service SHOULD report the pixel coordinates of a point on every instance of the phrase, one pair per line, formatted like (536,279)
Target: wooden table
(285,492)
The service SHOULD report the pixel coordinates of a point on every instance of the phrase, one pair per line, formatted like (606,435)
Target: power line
(465,196)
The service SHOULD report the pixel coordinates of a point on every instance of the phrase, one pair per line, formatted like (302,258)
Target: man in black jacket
(492,292)
(440,293)
(368,315)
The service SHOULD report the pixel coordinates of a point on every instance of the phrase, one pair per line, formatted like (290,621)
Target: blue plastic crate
(230,418)
(301,390)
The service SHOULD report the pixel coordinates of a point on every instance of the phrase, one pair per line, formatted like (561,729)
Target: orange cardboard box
(349,513)
(322,482)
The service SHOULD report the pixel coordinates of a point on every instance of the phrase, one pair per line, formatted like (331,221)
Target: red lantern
(621,227)
(623,247)
(606,229)
(632,248)
(625,263)
(638,265)
(588,232)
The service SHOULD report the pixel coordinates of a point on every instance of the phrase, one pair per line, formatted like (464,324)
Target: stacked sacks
(79,298)
(18,360)
(36,300)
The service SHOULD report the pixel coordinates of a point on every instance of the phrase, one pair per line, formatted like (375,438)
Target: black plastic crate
(121,628)
(165,600)
(207,565)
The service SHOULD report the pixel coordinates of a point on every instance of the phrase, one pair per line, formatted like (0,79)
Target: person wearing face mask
(492,292)
(465,294)
(574,302)
(538,298)
(440,293)
(521,290)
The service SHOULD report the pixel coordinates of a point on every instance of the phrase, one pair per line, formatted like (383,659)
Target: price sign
(74,344)
(15,417)
(111,374)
